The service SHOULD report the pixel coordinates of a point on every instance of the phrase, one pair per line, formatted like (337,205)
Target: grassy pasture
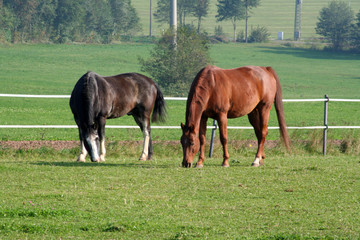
(275,15)
(46,195)
(54,69)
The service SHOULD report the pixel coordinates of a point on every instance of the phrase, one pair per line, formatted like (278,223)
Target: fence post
(326,103)
(212,138)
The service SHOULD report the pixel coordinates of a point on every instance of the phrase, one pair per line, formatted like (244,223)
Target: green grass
(54,69)
(46,195)
(276,16)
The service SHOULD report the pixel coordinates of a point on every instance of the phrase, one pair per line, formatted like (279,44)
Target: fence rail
(325,127)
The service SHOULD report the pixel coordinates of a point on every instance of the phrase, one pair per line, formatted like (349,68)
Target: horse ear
(192,128)
(182,126)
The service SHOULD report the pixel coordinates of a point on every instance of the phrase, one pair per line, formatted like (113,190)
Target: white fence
(325,127)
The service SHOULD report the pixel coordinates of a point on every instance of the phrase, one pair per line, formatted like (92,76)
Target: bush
(259,34)
(174,67)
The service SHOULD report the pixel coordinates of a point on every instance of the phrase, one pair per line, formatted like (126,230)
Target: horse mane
(199,91)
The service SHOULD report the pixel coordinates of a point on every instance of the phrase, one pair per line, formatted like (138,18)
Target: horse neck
(197,102)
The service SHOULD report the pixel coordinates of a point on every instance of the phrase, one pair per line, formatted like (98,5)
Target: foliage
(66,20)
(185,8)
(259,34)
(219,35)
(335,23)
(232,10)
(355,33)
(175,66)
(249,4)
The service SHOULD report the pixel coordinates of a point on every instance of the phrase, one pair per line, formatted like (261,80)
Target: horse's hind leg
(259,119)
(144,124)
(83,151)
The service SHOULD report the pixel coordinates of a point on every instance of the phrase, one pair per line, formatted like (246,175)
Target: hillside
(276,15)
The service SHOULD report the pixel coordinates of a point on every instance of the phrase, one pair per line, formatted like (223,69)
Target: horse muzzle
(187,164)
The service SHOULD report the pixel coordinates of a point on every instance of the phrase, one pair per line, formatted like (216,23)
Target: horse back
(238,91)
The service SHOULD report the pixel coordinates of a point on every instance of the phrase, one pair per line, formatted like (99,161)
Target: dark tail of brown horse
(280,111)
(159,112)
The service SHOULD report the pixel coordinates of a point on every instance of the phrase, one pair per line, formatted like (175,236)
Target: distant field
(54,69)
(276,15)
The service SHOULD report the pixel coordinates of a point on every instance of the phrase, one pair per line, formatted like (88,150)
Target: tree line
(101,21)
(61,21)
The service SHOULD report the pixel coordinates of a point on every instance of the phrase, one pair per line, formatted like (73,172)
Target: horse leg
(83,151)
(101,133)
(222,119)
(202,137)
(145,128)
(259,119)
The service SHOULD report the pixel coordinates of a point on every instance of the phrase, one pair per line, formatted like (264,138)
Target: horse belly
(240,110)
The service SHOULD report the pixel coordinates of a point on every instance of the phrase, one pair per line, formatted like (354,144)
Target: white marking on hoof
(256,162)
(102,158)
(143,157)
(81,158)
(199,165)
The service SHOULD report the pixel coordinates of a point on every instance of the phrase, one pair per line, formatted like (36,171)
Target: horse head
(190,143)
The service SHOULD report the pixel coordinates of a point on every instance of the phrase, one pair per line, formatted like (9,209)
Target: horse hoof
(225,165)
(199,165)
(102,159)
(80,159)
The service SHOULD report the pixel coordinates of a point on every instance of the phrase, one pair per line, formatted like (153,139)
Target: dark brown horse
(96,98)
(221,94)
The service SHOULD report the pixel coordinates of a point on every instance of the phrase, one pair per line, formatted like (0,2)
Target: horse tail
(90,95)
(280,110)
(159,111)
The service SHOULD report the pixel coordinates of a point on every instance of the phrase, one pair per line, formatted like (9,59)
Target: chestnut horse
(230,93)
(96,98)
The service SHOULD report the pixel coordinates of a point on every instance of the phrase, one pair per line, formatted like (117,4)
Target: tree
(175,68)
(184,8)
(200,11)
(355,33)
(249,4)
(232,10)
(25,12)
(68,14)
(335,23)
(125,17)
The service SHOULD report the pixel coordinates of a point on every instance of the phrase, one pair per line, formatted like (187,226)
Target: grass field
(276,15)
(46,195)
(54,69)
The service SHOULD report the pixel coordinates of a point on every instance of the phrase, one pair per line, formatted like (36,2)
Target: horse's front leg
(202,138)
(223,137)
(101,133)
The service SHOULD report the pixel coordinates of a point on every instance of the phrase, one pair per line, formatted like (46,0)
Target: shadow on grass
(310,53)
(95,164)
